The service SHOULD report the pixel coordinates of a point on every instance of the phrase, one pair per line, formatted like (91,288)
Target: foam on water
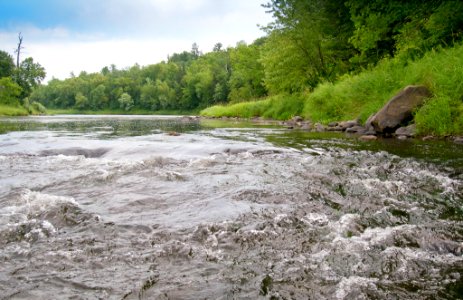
(221,214)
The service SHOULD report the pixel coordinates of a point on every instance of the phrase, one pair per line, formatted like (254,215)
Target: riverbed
(155,207)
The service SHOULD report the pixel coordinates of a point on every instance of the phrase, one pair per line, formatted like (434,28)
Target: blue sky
(73,35)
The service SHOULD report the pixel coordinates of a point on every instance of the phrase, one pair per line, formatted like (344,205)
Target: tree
(387,28)
(29,75)
(126,101)
(9,91)
(6,64)
(311,37)
(18,49)
(81,101)
(247,76)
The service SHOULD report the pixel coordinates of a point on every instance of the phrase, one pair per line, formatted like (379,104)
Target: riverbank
(12,111)
(359,96)
(119,112)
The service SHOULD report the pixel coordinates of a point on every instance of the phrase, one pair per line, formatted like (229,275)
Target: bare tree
(18,50)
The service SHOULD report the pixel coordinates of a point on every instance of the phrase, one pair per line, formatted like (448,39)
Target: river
(150,207)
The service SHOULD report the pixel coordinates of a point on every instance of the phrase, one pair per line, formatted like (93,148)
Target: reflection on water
(120,207)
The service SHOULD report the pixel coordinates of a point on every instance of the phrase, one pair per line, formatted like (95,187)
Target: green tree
(308,42)
(81,101)
(386,28)
(9,91)
(29,76)
(247,76)
(6,64)
(126,101)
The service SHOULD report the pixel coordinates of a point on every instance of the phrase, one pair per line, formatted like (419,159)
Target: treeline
(308,43)
(17,81)
(187,80)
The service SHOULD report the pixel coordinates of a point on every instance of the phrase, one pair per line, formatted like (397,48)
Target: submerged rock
(399,109)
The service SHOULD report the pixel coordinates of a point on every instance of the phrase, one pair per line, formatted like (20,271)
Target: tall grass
(361,95)
(279,107)
(6,110)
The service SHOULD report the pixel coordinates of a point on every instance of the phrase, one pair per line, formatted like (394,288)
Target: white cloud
(124,32)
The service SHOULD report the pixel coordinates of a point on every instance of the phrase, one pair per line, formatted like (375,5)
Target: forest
(319,59)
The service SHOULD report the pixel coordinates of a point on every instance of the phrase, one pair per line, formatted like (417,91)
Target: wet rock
(458,140)
(319,127)
(348,124)
(402,137)
(399,109)
(408,131)
(333,124)
(173,133)
(297,119)
(428,138)
(336,128)
(357,129)
(368,138)
(76,151)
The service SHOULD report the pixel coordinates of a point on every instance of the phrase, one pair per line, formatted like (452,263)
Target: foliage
(307,44)
(125,101)
(361,95)
(386,28)
(29,75)
(280,107)
(9,91)
(247,76)
(8,110)
(6,64)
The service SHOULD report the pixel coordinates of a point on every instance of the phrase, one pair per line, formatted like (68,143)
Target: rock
(298,119)
(368,138)
(402,137)
(458,140)
(356,129)
(399,109)
(428,138)
(333,124)
(408,131)
(319,127)
(347,124)
(173,133)
(337,128)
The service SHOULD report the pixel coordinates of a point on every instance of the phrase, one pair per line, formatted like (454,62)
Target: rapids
(138,207)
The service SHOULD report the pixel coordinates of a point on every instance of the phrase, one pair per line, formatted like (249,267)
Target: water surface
(148,207)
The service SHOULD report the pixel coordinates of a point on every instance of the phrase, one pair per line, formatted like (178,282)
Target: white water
(88,212)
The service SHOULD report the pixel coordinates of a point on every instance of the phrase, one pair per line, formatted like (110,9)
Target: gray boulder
(399,109)
(408,131)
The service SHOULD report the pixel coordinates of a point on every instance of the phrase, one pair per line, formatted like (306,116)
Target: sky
(67,36)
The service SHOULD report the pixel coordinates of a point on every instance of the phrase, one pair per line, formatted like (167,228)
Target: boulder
(399,109)
(408,131)
(458,140)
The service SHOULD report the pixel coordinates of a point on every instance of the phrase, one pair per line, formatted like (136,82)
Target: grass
(358,96)
(6,110)
(279,107)
(361,95)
